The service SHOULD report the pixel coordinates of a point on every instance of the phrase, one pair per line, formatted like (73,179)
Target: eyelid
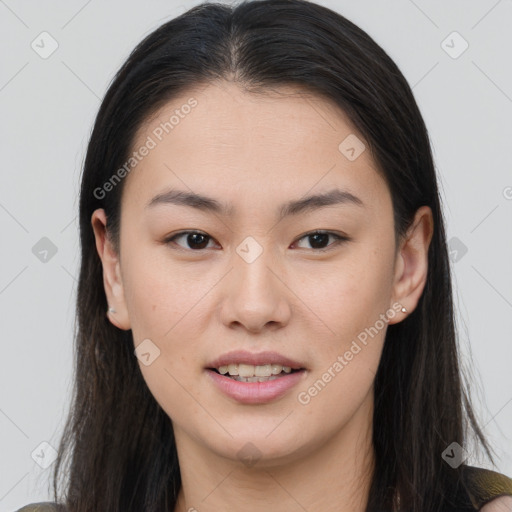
(339,239)
(170,239)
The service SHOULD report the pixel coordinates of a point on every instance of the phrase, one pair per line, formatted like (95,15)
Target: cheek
(159,293)
(170,388)
(168,304)
(350,295)
(352,304)
(163,305)
(351,299)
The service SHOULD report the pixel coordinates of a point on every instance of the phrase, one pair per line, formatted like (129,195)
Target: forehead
(221,137)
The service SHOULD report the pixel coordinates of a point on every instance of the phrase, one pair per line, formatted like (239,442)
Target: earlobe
(411,265)
(112,281)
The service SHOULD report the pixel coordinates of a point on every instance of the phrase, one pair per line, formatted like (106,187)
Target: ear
(112,280)
(411,264)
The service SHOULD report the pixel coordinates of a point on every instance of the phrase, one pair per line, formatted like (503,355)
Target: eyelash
(339,239)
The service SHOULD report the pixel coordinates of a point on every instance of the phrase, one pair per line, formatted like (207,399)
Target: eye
(195,239)
(320,238)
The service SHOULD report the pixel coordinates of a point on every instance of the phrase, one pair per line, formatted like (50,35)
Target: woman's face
(255,279)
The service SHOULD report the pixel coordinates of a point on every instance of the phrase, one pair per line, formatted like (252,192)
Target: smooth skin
(256,152)
(502,504)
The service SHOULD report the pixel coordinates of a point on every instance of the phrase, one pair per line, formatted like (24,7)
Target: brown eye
(319,240)
(195,240)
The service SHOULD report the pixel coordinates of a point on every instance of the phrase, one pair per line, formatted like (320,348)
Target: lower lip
(256,392)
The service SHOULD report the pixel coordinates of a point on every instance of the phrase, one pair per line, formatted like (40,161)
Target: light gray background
(47,107)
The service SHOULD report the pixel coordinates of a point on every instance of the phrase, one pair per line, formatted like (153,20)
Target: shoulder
(42,507)
(490,491)
(502,504)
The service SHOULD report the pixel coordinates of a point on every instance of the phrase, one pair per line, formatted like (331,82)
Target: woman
(260,219)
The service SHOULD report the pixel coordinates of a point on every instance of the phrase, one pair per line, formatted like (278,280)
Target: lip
(256,392)
(256,359)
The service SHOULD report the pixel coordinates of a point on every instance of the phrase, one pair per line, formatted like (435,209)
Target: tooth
(266,379)
(276,369)
(249,370)
(233,369)
(263,371)
(246,370)
(254,379)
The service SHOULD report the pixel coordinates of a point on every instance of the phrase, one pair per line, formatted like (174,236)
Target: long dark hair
(118,450)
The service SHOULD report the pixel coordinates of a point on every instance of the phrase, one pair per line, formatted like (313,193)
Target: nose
(255,296)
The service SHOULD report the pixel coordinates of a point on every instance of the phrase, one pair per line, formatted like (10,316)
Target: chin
(266,446)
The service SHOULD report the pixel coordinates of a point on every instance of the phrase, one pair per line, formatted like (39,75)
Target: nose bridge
(251,265)
(255,295)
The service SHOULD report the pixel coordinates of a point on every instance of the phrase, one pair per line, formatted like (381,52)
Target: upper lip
(256,359)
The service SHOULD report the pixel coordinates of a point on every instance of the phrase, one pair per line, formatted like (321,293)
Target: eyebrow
(295,207)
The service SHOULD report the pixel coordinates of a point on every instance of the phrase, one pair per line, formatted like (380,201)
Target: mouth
(255,378)
(254,373)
